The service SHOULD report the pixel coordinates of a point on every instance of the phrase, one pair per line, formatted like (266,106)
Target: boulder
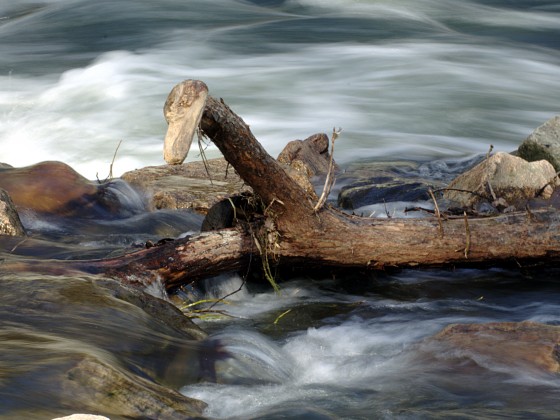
(527,345)
(55,188)
(543,143)
(368,183)
(193,185)
(10,224)
(502,180)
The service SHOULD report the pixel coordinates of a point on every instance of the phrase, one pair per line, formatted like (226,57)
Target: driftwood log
(289,231)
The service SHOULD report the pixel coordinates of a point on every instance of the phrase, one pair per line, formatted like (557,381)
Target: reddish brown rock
(517,344)
(50,187)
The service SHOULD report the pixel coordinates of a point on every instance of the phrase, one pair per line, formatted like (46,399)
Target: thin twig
(438,214)
(329,181)
(492,193)
(489,151)
(468,236)
(17,245)
(203,155)
(110,176)
(386,210)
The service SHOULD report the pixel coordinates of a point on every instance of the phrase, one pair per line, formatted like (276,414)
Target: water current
(421,80)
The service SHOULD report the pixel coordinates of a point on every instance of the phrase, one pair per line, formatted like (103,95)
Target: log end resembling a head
(183,110)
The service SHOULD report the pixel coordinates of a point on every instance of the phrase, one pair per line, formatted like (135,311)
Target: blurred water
(423,79)
(358,350)
(420,80)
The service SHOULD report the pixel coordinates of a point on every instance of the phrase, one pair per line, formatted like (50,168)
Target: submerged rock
(101,387)
(187,186)
(377,182)
(528,345)
(88,344)
(543,143)
(503,180)
(10,224)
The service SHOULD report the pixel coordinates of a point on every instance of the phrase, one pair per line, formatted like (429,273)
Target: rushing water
(420,80)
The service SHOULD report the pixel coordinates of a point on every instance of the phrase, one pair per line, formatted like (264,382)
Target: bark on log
(291,231)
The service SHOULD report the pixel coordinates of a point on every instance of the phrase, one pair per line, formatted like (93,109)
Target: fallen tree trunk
(290,231)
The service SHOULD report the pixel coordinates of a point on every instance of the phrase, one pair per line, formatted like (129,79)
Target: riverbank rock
(543,143)
(193,185)
(502,180)
(528,345)
(10,224)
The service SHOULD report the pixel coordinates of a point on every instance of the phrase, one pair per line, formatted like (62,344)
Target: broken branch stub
(183,110)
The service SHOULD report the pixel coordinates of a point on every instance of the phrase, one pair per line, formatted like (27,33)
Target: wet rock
(82,417)
(543,143)
(96,386)
(311,153)
(528,345)
(187,186)
(90,344)
(306,161)
(55,188)
(10,224)
(227,212)
(371,183)
(503,180)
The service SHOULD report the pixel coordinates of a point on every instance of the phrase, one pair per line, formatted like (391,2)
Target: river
(420,80)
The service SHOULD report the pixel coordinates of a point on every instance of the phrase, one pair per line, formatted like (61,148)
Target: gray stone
(10,224)
(543,143)
(187,186)
(503,179)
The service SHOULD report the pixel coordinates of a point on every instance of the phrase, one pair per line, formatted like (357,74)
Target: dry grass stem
(438,213)
(329,181)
